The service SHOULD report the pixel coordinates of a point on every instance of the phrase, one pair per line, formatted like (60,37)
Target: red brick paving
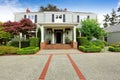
(45,69)
(43,74)
(80,75)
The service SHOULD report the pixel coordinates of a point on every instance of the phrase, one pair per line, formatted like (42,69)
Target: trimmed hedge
(8,50)
(114,49)
(15,43)
(82,41)
(98,43)
(28,50)
(34,42)
(90,48)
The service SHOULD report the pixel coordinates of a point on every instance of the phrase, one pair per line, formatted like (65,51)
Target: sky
(100,7)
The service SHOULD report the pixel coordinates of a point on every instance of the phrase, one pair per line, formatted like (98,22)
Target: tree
(12,27)
(4,36)
(39,34)
(107,19)
(91,28)
(49,7)
(113,18)
(118,10)
(16,28)
(26,25)
(1,24)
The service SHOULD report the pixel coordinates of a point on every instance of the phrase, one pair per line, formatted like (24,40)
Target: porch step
(58,46)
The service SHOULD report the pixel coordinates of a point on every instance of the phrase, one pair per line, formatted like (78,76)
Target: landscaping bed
(90,46)
(8,50)
(114,47)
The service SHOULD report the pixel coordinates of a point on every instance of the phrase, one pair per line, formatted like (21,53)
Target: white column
(42,34)
(53,38)
(74,33)
(63,35)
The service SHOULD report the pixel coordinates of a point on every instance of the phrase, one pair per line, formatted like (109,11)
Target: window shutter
(63,17)
(78,19)
(52,17)
(35,18)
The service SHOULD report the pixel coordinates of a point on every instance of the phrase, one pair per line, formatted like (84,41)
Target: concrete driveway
(76,66)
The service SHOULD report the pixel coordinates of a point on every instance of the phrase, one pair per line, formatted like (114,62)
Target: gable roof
(113,28)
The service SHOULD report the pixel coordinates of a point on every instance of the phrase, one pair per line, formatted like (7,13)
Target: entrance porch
(58,36)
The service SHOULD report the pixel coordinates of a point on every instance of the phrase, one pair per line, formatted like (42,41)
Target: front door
(58,36)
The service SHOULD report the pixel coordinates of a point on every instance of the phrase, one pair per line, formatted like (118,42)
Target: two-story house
(56,27)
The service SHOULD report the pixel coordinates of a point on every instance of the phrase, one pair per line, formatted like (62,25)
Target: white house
(56,26)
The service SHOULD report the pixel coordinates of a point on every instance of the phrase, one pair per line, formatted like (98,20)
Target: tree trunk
(19,40)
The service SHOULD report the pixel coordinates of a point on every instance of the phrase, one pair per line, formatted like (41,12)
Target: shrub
(36,49)
(34,42)
(82,41)
(28,50)
(8,50)
(114,49)
(2,52)
(98,43)
(21,51)
(67,40)
(92,48)
(105,43)
(111,48)
(15,43)
(116,44)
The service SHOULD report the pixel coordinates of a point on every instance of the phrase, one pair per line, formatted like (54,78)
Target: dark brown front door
(58,36)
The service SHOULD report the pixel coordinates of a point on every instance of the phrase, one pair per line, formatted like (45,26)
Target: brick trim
(80,75)
(44,71)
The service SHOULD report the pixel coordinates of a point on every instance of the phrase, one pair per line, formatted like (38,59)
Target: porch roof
(58,24)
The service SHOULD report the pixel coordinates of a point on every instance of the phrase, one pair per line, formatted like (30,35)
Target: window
(63,17)
(60,16)
(52,17)
(88,17)
(56,16)
(24,16)
(78,18)
(35,18)
(29,16)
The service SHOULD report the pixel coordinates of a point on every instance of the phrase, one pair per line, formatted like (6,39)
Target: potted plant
(49,41)
(67,40)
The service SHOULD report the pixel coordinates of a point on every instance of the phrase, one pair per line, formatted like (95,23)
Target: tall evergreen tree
(106,20)
(113,17)
(49,7)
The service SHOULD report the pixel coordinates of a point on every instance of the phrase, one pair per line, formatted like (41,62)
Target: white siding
(70,17)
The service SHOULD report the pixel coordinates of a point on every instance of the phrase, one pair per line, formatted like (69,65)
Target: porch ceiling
(58,24)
